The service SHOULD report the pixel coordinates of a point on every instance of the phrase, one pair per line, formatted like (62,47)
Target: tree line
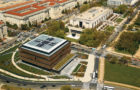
(115,60)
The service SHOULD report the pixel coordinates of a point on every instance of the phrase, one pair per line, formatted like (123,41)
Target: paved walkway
(121,84)
(33,79)
(101,70)
(13,62)
(70,67)
(89,70)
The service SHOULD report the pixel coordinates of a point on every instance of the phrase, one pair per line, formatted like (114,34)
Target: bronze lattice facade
(40,58)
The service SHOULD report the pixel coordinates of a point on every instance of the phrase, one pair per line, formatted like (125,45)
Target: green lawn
(34,70)
(70,39)
(77,67)
(6,64)
(17,58)
(119,20)
(122,74)
(60,77)
(11,49)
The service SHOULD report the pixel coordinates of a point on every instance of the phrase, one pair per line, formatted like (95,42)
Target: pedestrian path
(90,68)
(101,70)
(121,84)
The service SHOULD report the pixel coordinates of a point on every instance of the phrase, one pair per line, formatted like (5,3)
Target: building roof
(91,14)
(28,9)
(51,3)
(15,5)
(22,11)
(45,44)
(1,22)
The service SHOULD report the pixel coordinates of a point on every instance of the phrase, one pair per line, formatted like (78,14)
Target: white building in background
(35,11)
(88,19)
(3,30)
(121,2)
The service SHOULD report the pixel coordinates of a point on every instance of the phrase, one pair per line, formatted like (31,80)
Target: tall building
(3,30)
(44,51)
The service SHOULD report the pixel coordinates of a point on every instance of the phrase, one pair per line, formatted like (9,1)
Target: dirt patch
(137,55)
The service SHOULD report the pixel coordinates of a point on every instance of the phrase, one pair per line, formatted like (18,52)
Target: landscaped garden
(60,77)
(80,69)
(82,55)
(63,61)
(119,20)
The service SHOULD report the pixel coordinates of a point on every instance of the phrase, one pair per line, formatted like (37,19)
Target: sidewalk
(121,84)
(101,70)
(89,70)
(13,62)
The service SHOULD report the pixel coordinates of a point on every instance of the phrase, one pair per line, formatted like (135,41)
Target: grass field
(119,20)
(60,77)
(122,74)
(6,64)
(11,49)
(70,39)
(77,67)
(34,70)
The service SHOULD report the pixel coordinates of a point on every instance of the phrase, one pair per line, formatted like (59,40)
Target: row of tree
(128,42)
(122,60)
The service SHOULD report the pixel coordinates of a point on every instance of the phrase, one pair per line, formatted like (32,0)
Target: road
(100,53)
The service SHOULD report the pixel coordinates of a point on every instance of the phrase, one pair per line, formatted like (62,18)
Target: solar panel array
(48,41)
(45,43)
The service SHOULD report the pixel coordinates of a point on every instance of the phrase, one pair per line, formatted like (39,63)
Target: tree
(24,27)
(67,87)
(66,29)
(113,60)
(137,22)
(108,56)
(124,60)
(121,9)
(1,40)
(15,26)
(92,38)
(30,25)
(128,42)
(84,7)
(8,24)
(78,5)
(56,28)
(60,33)
(130,27)
(62,25)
